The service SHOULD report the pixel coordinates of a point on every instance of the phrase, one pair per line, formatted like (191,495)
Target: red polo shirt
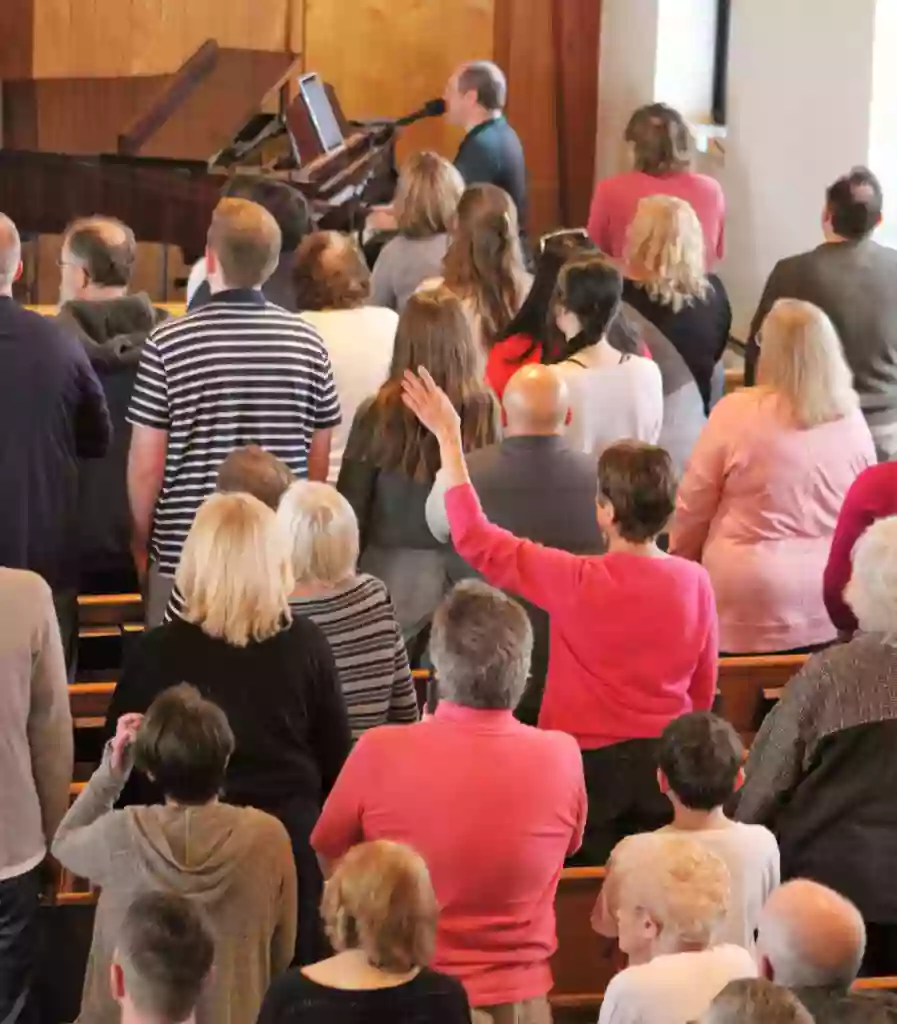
(494,807)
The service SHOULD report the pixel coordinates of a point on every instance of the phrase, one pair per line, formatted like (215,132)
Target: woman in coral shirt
(760,499)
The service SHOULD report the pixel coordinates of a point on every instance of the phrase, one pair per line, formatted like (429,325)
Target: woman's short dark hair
(661,139)
(854,204)
(184,745)
(700,755)
(639,483)
(329,272)
(592,288)
(285,204)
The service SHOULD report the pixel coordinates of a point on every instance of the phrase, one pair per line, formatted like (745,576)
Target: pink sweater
(616,200)
(758,506)
(633,640)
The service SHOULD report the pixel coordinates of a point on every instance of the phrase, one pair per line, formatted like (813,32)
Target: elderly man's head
(809,937)
(536,402)
(872,590)
(668,893)
(481,645)
(97,259)
(10,254)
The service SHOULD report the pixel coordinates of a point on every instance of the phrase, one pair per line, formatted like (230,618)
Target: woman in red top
(633,632)
(532,336)
(661,146)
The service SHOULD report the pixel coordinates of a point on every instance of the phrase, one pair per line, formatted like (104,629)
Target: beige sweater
(236,863)
(35,722)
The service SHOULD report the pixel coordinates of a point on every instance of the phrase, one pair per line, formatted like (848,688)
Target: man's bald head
(536,402)
(810,936)
(10,254)
(98,255)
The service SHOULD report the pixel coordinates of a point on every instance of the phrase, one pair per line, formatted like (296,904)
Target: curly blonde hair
(665,252)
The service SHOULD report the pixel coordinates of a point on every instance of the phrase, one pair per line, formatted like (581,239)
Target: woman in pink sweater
(661,146)
(761,495)
(633,632)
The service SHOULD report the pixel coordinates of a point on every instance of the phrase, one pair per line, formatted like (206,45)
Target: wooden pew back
(741,686)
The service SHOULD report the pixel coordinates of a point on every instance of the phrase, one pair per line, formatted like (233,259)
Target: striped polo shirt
(237,371)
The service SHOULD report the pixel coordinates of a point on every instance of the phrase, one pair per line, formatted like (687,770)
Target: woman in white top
(332,284)
(613,395)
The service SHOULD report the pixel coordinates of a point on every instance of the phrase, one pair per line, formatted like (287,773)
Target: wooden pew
(584,962)
(745,682)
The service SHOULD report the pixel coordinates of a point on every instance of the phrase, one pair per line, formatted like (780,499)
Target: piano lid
(206,103)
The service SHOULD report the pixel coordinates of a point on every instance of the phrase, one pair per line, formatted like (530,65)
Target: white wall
(800,81)
(686,50)
(883,141)
(626,75)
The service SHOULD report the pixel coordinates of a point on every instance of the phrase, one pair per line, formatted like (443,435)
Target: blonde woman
(425,205)
(380,914)
(272,674)
(759,502)
(354,610)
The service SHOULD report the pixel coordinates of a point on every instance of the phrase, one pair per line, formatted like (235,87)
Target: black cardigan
(281,697)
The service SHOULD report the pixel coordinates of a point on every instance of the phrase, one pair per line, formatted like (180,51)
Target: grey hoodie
(236,863)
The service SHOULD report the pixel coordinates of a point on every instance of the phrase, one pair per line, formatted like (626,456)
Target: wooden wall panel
(387,57)
(16,38)
(112,38)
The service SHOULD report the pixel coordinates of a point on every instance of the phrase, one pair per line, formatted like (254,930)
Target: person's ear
(20,269)
(649,928)
(879,220)
(765,969)
(116,981)
(663,782)
(739,779)
(568,419)
(211,261)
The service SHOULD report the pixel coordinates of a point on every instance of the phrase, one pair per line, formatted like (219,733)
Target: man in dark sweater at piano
(490,152)
(52,412)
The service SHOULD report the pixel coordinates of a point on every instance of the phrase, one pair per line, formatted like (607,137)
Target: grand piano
(224,112)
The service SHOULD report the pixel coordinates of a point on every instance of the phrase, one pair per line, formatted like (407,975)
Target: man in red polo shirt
(493,806)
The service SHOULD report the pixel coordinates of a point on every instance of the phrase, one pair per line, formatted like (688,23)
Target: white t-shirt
(611,400)
(674,989)
(360,343)
(751,854)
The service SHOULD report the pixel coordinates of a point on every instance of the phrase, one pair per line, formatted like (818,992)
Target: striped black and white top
(360,624)
(237,371)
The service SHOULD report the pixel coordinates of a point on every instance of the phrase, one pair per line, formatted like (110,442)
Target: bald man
(534,485)
(52,412)
(96,263)
(812,940)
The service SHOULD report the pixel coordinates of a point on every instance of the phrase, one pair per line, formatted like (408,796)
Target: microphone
(432,108)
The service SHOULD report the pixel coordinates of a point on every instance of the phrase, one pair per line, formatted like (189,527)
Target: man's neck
(687,819)
(481,116)
(102,293)
(512,431)
(218,286)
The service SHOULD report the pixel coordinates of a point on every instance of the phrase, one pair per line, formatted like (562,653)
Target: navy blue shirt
(52,412)
(491,154)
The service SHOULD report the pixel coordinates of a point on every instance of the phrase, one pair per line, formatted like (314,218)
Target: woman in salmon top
(661,147)
(633,632)
(760,499)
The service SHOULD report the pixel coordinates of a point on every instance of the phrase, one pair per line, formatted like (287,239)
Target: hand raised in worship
(125,734)
(431,405)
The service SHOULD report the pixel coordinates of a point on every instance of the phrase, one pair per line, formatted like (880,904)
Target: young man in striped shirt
(238,371)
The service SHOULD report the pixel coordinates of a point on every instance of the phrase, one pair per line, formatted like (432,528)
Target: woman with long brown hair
(484,263)
(391,461)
